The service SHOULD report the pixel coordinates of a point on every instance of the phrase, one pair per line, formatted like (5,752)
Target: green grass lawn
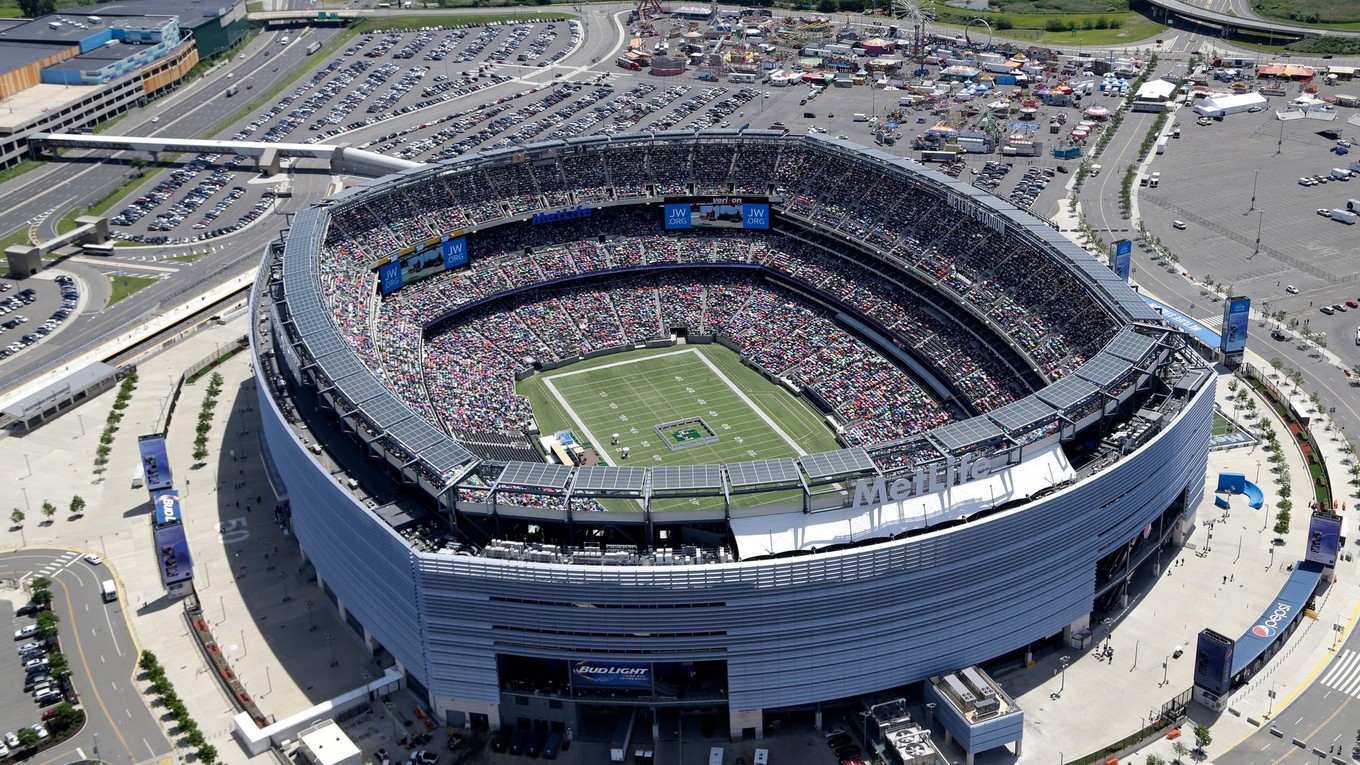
(1133,27)
(122,286)
(1222,425)
(630,394)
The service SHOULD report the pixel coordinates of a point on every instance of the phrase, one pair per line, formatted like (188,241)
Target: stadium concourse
(997,395)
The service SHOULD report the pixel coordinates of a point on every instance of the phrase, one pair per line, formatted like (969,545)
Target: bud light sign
(165,507)
(612,674)
(1277,620)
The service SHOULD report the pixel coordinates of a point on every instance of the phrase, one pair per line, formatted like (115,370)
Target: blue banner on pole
(172,550)
(165,507)
(1324,538)
(155,462)
(1236,317)
(1122,258)
(389,276)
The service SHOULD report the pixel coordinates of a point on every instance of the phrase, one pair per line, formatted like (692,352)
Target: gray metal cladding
(793,631)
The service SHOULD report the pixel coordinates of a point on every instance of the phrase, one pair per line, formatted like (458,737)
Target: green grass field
(630,394)
(1222,425)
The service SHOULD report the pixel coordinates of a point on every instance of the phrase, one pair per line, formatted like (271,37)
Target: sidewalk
(271,622)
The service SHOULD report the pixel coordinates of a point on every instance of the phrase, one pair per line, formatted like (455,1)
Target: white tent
(1219,106)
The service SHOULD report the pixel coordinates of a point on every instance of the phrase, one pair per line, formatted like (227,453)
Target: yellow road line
(94,689)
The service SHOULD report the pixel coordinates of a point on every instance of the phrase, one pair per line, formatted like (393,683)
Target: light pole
(1260,219)
(1165,662)
(1270,694)
(1258,472)
(311,616)
(1255,175)
(283,578)
(330,643)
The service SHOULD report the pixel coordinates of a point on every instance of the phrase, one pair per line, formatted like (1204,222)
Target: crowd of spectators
(462,372)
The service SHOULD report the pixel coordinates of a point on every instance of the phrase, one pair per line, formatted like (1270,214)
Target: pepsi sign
(1278,619)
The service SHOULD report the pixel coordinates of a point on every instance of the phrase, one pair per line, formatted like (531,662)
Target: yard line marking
(620,363)
(595,442)
(747,400)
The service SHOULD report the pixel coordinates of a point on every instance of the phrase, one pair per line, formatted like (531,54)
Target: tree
(1180,749)
(1202,737)
(49,510)
(1153,759)
(64,717)
(17,516)
(58,666)
(207,754)
(77,505)
(28,738)
(34,8)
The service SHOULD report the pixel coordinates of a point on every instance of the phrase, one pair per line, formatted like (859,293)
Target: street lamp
(284,578)
(311,616)
(330,643)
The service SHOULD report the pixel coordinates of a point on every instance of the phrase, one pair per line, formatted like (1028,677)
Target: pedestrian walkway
(277,629)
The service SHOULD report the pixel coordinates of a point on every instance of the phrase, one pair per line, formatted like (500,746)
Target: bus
(91,248)
(629,64)
(938,156)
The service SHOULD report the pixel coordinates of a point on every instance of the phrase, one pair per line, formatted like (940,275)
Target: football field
(676,406)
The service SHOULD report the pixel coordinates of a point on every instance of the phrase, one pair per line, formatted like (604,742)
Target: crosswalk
(57,564)
(1344,674)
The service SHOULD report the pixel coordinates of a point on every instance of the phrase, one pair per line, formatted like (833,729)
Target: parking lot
(33,310)
(17,705)
(1225,203)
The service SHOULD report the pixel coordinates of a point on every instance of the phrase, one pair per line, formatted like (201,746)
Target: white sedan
(93,560)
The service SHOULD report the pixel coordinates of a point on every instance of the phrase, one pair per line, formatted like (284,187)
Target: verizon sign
(922,481)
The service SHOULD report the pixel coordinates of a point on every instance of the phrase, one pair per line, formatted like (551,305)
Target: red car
(1352,304)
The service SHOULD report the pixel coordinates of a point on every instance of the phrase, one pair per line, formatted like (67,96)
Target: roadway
(95,637)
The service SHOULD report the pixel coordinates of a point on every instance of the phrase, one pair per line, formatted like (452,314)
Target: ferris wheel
(919,15)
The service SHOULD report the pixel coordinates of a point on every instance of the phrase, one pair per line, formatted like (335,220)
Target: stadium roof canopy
(763,473)
(600,478)
(686,477)
(534,475)
(845,462)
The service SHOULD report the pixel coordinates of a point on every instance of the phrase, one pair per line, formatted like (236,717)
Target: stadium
(728,424)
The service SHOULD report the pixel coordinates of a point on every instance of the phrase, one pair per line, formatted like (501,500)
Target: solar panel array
(837,463)
(965,434)
(763,472)
(535,475)
(603,478)
(686,477)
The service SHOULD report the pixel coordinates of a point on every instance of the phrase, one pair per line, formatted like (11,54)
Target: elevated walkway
(342,159)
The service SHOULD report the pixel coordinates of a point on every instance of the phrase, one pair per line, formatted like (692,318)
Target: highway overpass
(1165,10)
(342,159)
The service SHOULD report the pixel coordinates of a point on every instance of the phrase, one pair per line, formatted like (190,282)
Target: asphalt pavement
(102,653)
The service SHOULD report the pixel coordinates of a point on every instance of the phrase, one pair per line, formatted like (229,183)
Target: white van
(715,756)
(1154,180)
(861,117)
(1178,224)
(762,757)
(109,590)
(283,40)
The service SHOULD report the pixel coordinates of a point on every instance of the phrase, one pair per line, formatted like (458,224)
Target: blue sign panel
(172,550)
(678,216)
(1236,316)
(1121,257)
(755,216)
(612,674)
(455,252)
(1213,662)
(165,508)
(389,276)
(155,462)
(1324,538)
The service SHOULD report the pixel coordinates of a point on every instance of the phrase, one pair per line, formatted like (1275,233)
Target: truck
(1341,174)
(109,589)
(314,47)
(623,733)
(1155,180)
(1353,205)
(628,63)
(1344,216)
(715,755)
(233,90)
